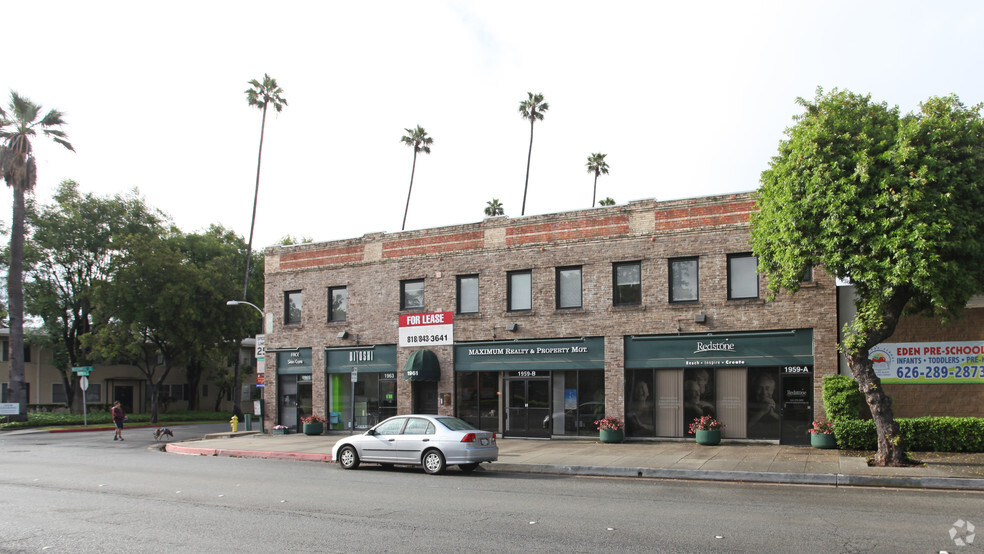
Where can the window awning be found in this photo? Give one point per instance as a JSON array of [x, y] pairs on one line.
[[422, 365]]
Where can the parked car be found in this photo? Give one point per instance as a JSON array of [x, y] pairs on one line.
[[431, 441]]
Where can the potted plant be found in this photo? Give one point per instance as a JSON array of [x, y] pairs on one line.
[[707, 430], [313, 424], [279, 429], [611, 429], [822, 434]]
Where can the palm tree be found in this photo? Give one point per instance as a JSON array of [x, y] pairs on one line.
[[597, 165], [418, 139], [607, 202], [532, 108], [260, 95], [494, 208], [19, 170]]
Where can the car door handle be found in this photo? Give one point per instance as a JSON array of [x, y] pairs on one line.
[[391, 440], [425, 440]]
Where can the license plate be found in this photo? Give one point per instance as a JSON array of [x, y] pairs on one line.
[[485, 442]]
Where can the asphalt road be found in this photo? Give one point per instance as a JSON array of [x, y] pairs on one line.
[[83, 492]]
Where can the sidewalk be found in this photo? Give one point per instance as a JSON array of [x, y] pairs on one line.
[[745, 462]]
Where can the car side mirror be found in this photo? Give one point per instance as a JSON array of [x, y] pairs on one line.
[[370, 432]]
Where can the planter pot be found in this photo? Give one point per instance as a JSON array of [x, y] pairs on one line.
[[709, 438], [279, 431], [314, 428], [821, 440], [609, 435]]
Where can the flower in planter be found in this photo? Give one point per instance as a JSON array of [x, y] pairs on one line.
[[313, 419], [706, 423], [821, 427], [610, 424], [280, 427]]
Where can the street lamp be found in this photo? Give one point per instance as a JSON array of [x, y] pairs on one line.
[[236, 380]]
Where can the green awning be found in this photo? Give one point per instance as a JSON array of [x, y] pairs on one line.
[[422, 365]]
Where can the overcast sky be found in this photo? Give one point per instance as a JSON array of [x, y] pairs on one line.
[[686, 98]]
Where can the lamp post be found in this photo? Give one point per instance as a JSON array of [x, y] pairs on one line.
[[236, 383]]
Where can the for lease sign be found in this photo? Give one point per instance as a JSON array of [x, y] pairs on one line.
[[929, 362], [432, 329]]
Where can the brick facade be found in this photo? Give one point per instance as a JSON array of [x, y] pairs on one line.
[[372, 267]]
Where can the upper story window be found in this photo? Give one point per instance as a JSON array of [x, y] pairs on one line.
[[292, 307], [5, 354], [807, 275], [468, 294], [627, 283], [412, 294], [568, 287], [743, 279], [519, 294], [337, 303], [683, 280]]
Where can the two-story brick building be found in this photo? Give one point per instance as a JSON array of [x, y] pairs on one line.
[[651, 311]]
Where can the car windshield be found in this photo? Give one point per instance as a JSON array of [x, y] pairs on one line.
[[456, 424]]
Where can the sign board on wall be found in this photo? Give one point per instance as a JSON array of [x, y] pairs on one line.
[[929, 362], [432, 329]]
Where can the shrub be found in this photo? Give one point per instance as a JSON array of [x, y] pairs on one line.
[[841, 398], [918, 434]]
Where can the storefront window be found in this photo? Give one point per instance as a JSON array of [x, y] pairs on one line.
[[579, 401], [763, 403], [478, 399], [640, 410], [374, 394], [698, 396]]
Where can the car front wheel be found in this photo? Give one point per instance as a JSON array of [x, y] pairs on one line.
[[348, 457], [433, 462]]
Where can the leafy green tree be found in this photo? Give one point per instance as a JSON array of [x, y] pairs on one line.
[[494, 208], [892, 203], [19, 169], [609, 201], [418, 139], [597, 165], [289, 240], [532, 109], [72, 244], [260, 95]]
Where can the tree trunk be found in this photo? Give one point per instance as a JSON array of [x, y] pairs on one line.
[[15, 291], [412, 171], [594, 191], [529, 155], [891, 452], [256, 195]]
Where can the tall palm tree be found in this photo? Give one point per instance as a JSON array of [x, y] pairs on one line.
[[260, 95], [19, 170], [597, 165], [494, 208], [418, 139], [532, 108]]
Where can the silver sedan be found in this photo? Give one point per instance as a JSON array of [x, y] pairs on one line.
[[431, 441]]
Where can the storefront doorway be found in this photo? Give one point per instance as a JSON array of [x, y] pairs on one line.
[[797, 408], [527, 408]]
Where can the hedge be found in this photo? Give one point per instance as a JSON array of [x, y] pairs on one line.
[[919, 434], [841, 398]]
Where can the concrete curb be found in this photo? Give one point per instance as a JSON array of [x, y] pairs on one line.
[[830, 479], [233, 453]]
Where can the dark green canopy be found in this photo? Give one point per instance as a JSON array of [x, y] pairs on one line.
[[422, 365]]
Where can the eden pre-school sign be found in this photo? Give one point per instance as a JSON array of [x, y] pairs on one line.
[[929, 362], [432, 329]]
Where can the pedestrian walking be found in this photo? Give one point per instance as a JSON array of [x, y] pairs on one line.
[[118, 418]]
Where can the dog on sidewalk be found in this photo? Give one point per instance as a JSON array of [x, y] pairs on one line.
[[161, 432]]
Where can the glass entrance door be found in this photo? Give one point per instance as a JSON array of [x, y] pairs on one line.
[[797, 408], [527, 408]]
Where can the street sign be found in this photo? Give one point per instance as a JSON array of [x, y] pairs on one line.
[[82, 370], [84, 383], [355, 375], [260, 346]]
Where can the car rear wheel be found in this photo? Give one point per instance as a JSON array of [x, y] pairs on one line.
[[433, 462], [467, 468], [348, 458]]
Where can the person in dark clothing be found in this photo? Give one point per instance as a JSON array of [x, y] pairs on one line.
[[118, 418]]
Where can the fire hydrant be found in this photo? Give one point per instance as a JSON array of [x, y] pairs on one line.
[[234, 422]]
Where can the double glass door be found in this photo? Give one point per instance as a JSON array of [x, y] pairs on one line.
[[527, 408]]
